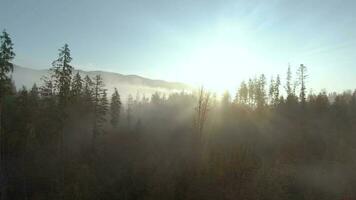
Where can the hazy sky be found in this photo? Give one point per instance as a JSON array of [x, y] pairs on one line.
[[215, 43]]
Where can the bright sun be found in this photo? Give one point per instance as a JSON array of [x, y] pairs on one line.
[[220, 67]]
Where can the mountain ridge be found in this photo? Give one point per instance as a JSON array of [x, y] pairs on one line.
[[126, 84]]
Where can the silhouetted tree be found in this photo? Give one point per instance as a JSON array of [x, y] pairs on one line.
[[252, 92], [302, 75], [274, 91], [100, 104], [201, 113], [288, 86], [6, 56], [115, 107], [261, 92], [271, 90], [243, 93], [156, 98], [88, 93], [129, 108], [77, 86], [62, 74]]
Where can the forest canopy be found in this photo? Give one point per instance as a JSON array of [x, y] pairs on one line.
[[67, 138]]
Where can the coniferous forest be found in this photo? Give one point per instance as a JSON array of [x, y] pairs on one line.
[[67, 138]]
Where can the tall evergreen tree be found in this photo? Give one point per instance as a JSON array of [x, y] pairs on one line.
[[201, 110], [88, 91], [302, 76], [62, 77], [277, 84], [47, 88], [34, 96], [261, 91], [288, 86], [6, 56], [130, 103], [156, 98], [243, 93], [100, 104], [77, 86], [115, 107], [251, 92], [62, 73], [271, 90]]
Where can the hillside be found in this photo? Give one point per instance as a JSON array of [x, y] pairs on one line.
[[126, 84]]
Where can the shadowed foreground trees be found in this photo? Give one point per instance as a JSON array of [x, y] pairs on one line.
[[261, 145], [6, 67]]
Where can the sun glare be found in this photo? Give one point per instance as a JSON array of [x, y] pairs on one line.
[[220, 66]]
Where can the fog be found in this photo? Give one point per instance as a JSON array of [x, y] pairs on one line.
[[74, 135]]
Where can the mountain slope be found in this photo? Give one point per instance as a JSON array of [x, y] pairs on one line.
[[126, 84]]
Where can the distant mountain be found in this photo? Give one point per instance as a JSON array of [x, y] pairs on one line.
[[126, 84]]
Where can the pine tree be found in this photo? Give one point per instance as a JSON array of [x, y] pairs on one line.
[[129, 109], [201, 113], [34, 95], [62, 74], [115, 107], [156, 98], [6, 56], [302, 76], [34, 91], [251, 92], [34, 103], [62, 77], [288, 86], [77, 86], [276, 90], [261, 92], [47, 89], [88, 91], [100, 104], [243, 93], [271, 91]]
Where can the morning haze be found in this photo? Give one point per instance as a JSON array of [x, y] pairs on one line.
[[177, 100]]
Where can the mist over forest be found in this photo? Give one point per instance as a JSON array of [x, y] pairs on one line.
[[72, 136]]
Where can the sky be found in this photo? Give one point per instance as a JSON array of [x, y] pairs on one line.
[[215, 43]]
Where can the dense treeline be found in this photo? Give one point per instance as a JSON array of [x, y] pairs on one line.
[[66, 139]]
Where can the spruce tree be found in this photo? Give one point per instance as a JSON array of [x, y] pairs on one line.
[[6, 56], [271, 91], [251, 92], [115, 107], [88, 91], [260, 91], [47, 88], [243, 93], [77, 86], [130, 103], [34, 96], [62, 74], [62, 77], [302, 76], [288, 86], [277, 84], [100, 105]]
